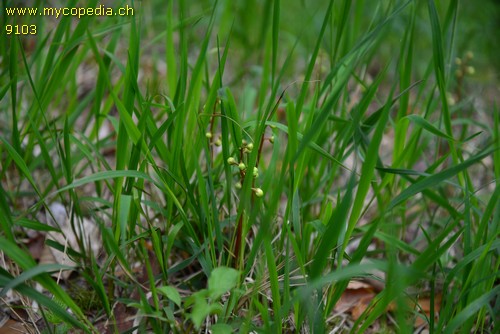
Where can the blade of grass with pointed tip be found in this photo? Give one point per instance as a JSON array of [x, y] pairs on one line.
[[471, 309], [334, 228], [320, 119], [496, 136], [104, 175], [405, 73], [170, 49], [19, 161], [312, 61], [435, 179], [273, 279], [31, 273], [423, 123], [367, 170], [440, 72], [13, 70], [5, 215], [34, 225], [130, 128]]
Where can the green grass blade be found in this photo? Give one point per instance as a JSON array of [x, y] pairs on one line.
[[435, 179], [31, 273], [367, 171], [58, 310], [471, 309]]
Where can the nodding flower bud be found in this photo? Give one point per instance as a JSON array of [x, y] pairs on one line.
[[208, 135], [250, 146], [271, 140], [470, 70], [458, 61], [242, 166], [218, 142], [231, 161], [243, 142], [238, 185], [469, 55], [258, 192], [255, 172]]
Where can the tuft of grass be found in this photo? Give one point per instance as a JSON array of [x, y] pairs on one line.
[[240, 170]]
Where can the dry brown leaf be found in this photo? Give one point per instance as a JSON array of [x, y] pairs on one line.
[[355, 299], [358, 296], [424, 305], [36, 245], [15, 327], [123, 320], [354, 285], [361, 305]]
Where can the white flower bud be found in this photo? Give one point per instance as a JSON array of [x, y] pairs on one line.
[[258, 192]]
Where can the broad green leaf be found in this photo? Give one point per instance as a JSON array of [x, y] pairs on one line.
[[171, 293], [221, 329], [201, 308], [222, 279]]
